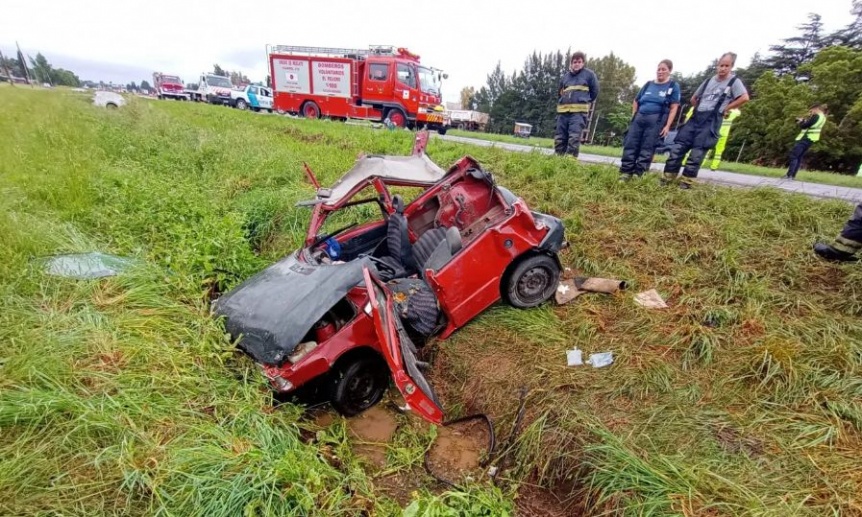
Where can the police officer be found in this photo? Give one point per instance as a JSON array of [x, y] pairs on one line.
[[810, 133], [713, 99], [847, 243], [578, 90]]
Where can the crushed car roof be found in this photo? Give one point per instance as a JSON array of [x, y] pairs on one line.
[[413, 169]]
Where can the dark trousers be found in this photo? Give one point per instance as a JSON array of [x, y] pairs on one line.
[[567, 138], [640, 142], [697, 136], [853, 227], [796, 155]]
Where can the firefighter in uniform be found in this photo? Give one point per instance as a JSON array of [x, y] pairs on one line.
[[847, 243], [578, 90], [713, 99], [810, 133]]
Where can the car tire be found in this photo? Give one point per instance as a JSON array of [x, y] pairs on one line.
[[310, 110], [532, 282], [358, 385], [111, 106], [241, 104], [442, 130]]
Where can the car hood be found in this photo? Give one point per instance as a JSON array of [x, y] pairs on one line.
[[272, 311]]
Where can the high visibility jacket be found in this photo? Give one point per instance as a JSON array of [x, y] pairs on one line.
[[813, 132], [577, 91], [727, 122]]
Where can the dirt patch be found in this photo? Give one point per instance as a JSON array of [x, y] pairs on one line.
[[400, 486], [735, 442], [372, 429], [534, 501], [296, 134], [458, 451]]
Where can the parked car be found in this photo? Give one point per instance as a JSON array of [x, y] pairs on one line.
[[252, 97], [377, 277], [109, 100]]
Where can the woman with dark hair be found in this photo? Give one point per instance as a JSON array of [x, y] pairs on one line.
[[653, 112]]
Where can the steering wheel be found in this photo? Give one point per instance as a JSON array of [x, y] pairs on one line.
[[318, 241]]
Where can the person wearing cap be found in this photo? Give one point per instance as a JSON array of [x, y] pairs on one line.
[[579, 88]]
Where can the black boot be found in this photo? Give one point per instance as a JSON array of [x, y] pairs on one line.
[[827, 252]]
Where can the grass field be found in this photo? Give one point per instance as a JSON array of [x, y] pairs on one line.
[[123, 396], [826, 178]]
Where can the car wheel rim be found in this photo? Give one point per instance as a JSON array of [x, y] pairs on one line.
[[533, 283], [360, 389]]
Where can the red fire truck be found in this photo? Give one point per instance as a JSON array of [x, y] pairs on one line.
[[378, 83]]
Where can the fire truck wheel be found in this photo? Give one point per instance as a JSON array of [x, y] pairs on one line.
[[310, 110], [396, 116], [533, 281], [358, 384]]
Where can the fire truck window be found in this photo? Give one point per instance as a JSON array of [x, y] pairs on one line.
[[378, 71], [406, 75]]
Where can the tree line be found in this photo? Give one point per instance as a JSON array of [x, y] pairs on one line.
[[811, 66]]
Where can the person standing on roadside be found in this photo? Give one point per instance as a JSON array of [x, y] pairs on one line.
[[579, 88], [653, 112], [811, 127], [714, 99]]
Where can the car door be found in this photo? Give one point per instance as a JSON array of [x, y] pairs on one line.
[[253, 100], [377, 84], [400, 353], [265, 98], [406, 87]]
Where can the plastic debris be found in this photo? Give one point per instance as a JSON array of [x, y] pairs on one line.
[[566, 292], [574, 357], [650, 299], [602, 359], [85, 266]]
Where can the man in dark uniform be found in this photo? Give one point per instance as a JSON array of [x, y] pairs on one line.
[[847, 243], [578, 90]]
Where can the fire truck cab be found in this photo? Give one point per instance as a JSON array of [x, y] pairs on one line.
[[378, 83]]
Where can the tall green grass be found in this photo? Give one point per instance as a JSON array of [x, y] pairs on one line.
[[123, 396]]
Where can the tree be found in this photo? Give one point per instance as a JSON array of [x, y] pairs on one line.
[[616, 81], [146, 85], [12, 65], [192, 86], [850, 36], [794, 52], [468, 95], [41, 68], [217, 70]]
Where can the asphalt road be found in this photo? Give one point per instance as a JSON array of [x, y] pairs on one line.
[[817, 190]]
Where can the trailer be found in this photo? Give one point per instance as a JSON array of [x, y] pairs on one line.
[[468, 120], [378, 84]]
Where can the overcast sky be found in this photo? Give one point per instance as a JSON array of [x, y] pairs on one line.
[[126, 41]]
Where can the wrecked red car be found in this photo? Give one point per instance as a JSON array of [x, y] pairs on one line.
[[378, 276]]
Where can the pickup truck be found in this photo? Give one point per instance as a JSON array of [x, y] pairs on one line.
[[252, 97]]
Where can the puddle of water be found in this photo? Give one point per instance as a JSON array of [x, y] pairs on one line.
[[459, 449], [375, 426]]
